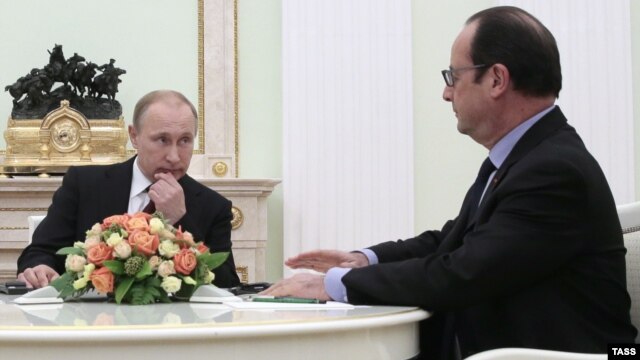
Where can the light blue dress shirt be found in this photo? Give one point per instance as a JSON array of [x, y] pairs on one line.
[[498, 154]]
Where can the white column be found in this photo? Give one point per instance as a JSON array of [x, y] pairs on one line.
[[594, 38], [347, 105]]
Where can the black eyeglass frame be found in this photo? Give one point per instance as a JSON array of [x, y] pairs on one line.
[[447, 74]]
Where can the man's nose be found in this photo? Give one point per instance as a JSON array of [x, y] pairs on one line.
[[447, 94], [172, 154]]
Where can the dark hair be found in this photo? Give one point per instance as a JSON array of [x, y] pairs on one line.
[[511, 36], [157, 96]]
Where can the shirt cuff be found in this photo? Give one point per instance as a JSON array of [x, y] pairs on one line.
[[333, 284], [373, 258]]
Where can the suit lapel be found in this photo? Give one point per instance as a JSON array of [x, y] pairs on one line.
[[117, 186]]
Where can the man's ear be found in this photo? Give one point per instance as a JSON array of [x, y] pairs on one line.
[[133, 136], [500, 77]]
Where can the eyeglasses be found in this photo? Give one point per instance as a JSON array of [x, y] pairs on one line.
[[448, 73]]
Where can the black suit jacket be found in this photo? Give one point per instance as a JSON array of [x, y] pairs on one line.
[[542, 264], [91, 193]]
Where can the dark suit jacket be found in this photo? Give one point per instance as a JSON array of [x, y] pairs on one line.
[[91, 193], [542, 264]]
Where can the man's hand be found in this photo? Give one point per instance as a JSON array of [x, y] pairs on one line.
[[38, 276], [168, 196], [323, 260], [308, 286]]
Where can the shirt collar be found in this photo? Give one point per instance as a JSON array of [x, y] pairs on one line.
[[139, 182], [501, 150]]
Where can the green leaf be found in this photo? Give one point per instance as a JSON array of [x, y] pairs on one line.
[[70, 250], [213, 260], [145, 271], [185, 291], [64, 285], [123, 288], [116, 266]]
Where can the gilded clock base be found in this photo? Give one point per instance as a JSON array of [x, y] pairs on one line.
[[64, 137]]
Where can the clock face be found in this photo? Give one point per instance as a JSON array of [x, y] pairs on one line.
[[65, 135]]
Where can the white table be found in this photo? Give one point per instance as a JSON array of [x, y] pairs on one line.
[[97, 329]]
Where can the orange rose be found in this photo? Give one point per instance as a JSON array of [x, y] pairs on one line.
[[115, 219], [139, 221], [102, 279], [185, 261], [99, 253], [143, 242], [202, 248]]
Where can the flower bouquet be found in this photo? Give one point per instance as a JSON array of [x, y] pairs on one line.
[[139, 259]]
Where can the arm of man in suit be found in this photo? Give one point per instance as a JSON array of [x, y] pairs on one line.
[[535, 224], [38, 264]]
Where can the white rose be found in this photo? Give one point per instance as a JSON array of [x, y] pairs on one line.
[[166, 268], [75, 263], [96, 228], [171, 284], [78, 245], [155, 226], [154, 261], [122, 250], [209, 277], [91, 241], [166, 235], [168, 249], [114, 239]]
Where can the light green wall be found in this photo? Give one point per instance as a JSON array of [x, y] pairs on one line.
[[145, 38], [260, 109], [439, 186]]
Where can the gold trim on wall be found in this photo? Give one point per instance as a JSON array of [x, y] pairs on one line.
[[4, 228], [24, 209], [201, 118]]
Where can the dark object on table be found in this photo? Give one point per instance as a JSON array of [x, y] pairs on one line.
[[250, 288], [14, 288]]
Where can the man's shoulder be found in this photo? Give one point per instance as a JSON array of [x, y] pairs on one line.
[[93, 171], [195, 188]]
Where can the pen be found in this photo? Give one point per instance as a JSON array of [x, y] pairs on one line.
[[288, 299]]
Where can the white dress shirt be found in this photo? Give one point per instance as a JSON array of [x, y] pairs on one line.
[[138, 197]]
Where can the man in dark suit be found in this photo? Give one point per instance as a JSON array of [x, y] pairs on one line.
[[535, 258], [163, 131]]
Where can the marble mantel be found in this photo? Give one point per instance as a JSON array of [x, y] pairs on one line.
[[21, 197]]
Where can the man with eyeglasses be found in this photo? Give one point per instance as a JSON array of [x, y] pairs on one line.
[[535, 257]]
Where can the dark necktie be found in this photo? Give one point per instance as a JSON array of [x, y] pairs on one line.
[[475, 193], [151, 206]]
